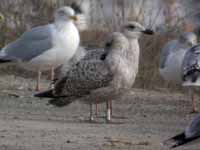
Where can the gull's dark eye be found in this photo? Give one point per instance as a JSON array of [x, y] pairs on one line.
[[108, 44], [76, 8], [131, 27]]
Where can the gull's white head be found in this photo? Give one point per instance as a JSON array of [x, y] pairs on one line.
[[134, 30], [188, 39], [65, 14]]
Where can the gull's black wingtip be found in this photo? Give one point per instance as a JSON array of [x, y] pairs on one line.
[[175, 141], [45, 94], [178, 140], [5, 60]]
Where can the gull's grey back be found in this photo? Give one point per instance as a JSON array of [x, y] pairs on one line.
[[191, 60]]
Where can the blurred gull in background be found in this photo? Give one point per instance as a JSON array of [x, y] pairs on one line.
[[45, 47], [172, 56], [191, 71]]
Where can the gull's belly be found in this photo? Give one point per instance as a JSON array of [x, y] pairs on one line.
[[172, 70], [63, 50]]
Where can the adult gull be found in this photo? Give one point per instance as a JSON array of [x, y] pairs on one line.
[[191, 71], [45, 47], [172, 56]]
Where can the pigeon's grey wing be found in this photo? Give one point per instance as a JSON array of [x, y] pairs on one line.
[[84, 77], [191, 64], [31, 44], [165, 52], [193, 130]]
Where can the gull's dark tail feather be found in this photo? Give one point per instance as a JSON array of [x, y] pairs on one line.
[[5, 60], [45, 94], [178, 140], [60, 102]]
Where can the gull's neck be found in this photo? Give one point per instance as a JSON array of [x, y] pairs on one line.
[[61, 25], [132, 56]]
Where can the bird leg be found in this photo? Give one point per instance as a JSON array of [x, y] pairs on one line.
[[194, 109], [96, 111], [111, 107], [52, 73], [38, 88], [91, 113], [52, 77], [108, 111]]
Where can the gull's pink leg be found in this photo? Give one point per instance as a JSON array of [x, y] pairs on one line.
[[52, 73], [96, 111], [108, 111], [52, 77], [91, 113], [38, 87], [194, 109]]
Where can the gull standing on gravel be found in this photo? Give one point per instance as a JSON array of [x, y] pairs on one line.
[[191, 71], [172, 56], [191, 133], [82, 25], [45, 47], [100, 80]]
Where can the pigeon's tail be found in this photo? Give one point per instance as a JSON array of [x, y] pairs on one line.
[[178, 140], [45, 94]]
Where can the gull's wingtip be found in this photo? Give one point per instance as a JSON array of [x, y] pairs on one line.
[[45, 94]]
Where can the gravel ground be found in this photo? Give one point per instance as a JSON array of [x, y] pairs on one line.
[[141, 120]]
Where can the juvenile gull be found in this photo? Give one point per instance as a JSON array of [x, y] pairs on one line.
[[172, 56], [191, 71], [100, 80], [45, 47], [191, 133]]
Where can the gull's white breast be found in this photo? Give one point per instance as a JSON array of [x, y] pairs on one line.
[[172, 70], [65, 44]]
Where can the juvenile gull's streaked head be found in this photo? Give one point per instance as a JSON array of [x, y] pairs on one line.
[[134, 30]]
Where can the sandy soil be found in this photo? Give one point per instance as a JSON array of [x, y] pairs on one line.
[[141, 120]]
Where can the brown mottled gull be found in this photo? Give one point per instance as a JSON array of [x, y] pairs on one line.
[[99, 80]]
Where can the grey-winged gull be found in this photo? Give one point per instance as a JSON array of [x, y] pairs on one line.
[[191, 133], [172, 56], [100, 80], [45, 47], [191, 71]]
